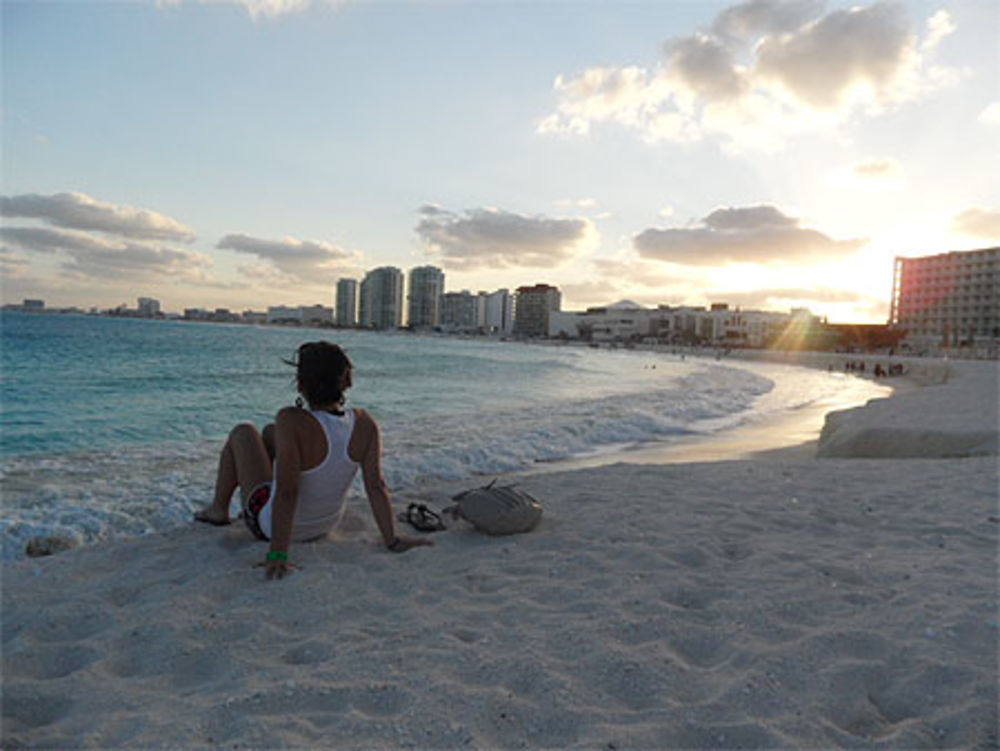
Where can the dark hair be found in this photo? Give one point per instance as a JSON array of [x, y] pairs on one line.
[[320, 368]]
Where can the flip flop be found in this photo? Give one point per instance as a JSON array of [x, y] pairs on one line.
[[422, 518], [200, 517]]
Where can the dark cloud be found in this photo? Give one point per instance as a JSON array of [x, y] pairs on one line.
[[822, 62], [755, 18], [79, 211], [491, 238], [981, 223], [100, 258], [755, 234], [703, 65], [748, 218], [308, 261]]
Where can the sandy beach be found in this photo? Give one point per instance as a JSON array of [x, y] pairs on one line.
[[839, 598]]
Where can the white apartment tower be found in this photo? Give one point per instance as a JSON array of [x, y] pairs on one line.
[[347, 302], [380, 302], [499, 314], [426, 288]]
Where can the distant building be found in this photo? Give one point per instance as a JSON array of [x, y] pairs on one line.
[[498, 316], [284, 314], [532, 307], [33, 305], [426, 288], [622, 321], [225, 315], [459, 311], [948, 300], [380, 304], [347, 302], [720, 326], [196, 314], [316, 314], [148, 307], [254, 316]]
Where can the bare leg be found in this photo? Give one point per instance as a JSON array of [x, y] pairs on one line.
[[268, 436], [244, 462]]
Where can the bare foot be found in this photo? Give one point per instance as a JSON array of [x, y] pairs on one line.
[[210, 516]]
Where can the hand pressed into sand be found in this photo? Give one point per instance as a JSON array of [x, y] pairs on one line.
[[277, 569]]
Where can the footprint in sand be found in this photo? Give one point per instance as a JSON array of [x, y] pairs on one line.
[[70, 624], [381, 701], [32, 711], [689, 557], [309, 653], [700, 647], [44, 663], [466, 635], [122, 597]]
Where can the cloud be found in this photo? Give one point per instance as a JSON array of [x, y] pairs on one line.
[[789, 296], [751, 19], [862, 57], [701, 65], [492, 238], [877, 173], [80, 211], [990, 115], [258, 9], [589, 294], [878, 169], [755, 234], [939, 26], [95, 257], [763, 71], [629, 96], [296, 261], [12, 265], [980, 223]]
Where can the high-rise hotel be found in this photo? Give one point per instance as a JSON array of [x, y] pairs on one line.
[[426, 288], [380, 302], [532, 307], [347, 302], [948, 300]]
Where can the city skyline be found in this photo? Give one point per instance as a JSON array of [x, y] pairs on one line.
[[770, 155]]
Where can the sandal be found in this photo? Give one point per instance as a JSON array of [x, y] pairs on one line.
[[422, 518]]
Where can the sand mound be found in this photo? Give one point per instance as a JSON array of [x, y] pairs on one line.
[[953, 419]]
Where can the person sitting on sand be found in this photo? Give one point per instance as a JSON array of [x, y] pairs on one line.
[[294, 477]]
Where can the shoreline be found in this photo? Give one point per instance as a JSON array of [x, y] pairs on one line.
[[792, 434]]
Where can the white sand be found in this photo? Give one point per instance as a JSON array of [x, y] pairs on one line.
[[808, 603]]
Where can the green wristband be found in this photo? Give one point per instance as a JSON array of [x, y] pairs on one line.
[[277, 555]]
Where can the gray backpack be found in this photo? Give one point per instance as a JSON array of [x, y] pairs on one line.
[[503, 510]]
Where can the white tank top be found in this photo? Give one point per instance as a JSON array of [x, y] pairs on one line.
[[322, 489]]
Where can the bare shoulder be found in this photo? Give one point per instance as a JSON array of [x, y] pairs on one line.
[[362, 418], [290, 416]]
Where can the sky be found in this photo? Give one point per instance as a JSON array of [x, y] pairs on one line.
[[247, 153]]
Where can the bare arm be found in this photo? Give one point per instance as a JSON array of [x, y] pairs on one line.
[[288, 458], [376, 488]]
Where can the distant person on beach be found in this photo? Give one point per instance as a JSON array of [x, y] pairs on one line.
[[294, 477]]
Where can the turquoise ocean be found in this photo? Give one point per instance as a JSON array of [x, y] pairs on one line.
[[111, 427]]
